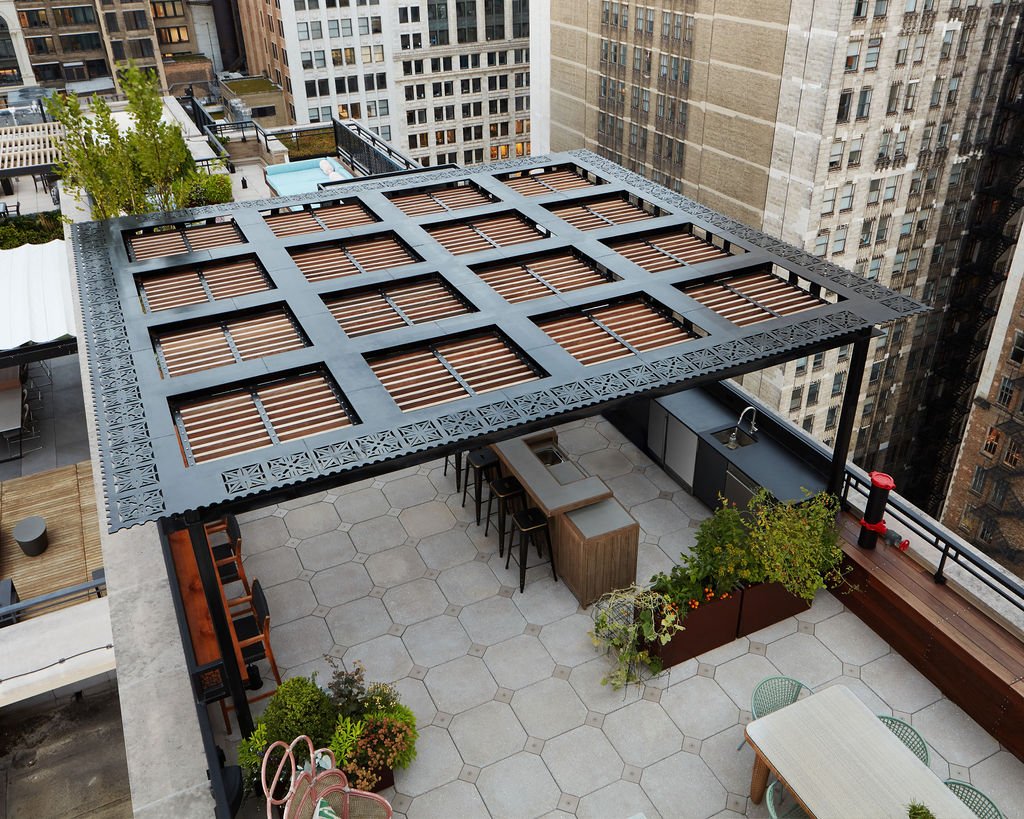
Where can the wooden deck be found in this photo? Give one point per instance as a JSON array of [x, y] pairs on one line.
[[972, 659], [65, 498]]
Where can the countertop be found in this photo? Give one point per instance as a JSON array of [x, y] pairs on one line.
[[551, 496], [600, 518], [767, 462]]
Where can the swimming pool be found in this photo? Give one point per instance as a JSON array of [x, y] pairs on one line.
[[302, 176]]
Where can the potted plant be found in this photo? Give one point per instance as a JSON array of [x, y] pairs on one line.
[[797, 547]]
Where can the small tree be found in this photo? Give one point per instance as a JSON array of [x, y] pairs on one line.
[[146, 168]]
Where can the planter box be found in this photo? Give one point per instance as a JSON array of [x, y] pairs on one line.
[[765, 605], [387, 780], [709, 626]]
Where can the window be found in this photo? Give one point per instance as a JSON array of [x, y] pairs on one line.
[[947, 45], [846, 198], [828, 201], [465, 21], [999, 490], [77, 16], [796, 400], [992, 440], [812, 393], [34, 18], [920, 41], [866, 230], [883, 228], [835, 157], [494, 19], [520, 18], [845, 101], [910, 100], [893, 105], [830, 418], [891, 186], [172, 34], [808, 423], [952, 89], [871, 57], [437, 22], [135, 21], [839, 239], [937, 88], [1005, 394], [902, 46], [881, 7], [837, 383], [873, 267], [90, 42], [860, 8], [874, 191], [853, 55], [821, 243], [978, 480], [855, 150], [864, 103], [1012, 456], [1017, 351], [987, 530], [818, 362], [801, 366]]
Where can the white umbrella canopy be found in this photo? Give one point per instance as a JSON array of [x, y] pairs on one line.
[[35, 295]]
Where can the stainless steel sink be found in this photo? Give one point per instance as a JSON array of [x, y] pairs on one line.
[[734, 438], [548, 455]]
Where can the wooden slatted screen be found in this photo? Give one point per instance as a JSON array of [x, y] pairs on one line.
[[753, 298], [454, 369], [440, 200], [614, 331], [329, 216], [485, 233], [232, 423], [351, 257], [183, 239], [375, 311], [542, 182], [665, 252], [210, 345], [599, 213], [194, 285], [539, 277]]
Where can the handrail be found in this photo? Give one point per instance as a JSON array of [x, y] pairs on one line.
[[51, 599], [946, 543]]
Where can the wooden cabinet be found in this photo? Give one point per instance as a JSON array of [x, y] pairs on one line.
[[597, 550]]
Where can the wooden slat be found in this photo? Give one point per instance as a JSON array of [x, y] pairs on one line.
[[229, 279], [598, 213], [667, 251], [221, 234], [329, 216], [345, 258], [302, 406], [484, 234], [545, 182], [237, 277], [167, 290], [642, 326], [417, 379], [583, 339], [264, 335], [752, 298], [222, 426], [562, 273], [441, 200]]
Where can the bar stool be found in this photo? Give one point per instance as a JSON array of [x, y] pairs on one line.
[[457, 457], [531, 524], [484, 463], [508, 492]]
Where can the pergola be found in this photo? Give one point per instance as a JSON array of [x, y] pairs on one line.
[[246, 353], [29, 149]]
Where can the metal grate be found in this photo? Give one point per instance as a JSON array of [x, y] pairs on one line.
[[485, 233], [227, 342], [546, 180], [315, 218], [397, 305], [440, 200], [753, 298], [439, 373], [615, 331], [152, 243], [195, 285], [664, 252], [592, 214], [258, 416], [541, 276], [352, 256]]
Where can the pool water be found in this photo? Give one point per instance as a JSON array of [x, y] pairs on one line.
[[301, 177]]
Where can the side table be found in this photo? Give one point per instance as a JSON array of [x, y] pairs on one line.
[[30, 535]]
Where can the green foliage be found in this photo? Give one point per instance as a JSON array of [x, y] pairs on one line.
[[309, 144], [384, 743], [143, 169], [916, 810], [250, 752], [343, 743], [200, 189], [32, 229], [347, 688], [797, 543], [380, 698]]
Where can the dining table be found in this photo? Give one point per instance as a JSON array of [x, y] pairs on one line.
[[837, 759]]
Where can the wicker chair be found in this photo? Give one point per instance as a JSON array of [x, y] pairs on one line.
[[772, 694], [780, 811], [978, 802], [309, 787], [908, 735]]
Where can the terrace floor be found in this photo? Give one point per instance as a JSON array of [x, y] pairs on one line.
[[513, 719]]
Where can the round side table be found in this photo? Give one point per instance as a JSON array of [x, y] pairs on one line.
[[30, 535]]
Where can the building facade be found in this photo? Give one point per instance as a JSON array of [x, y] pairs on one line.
[[854, 129], [446, 81]]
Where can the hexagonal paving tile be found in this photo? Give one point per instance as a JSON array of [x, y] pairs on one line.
[[468, 583], [413, 694], [309, 521], [679, 542], [492, 620], [545, 601], [850, 639], [385, 658], [825, 605], [954, 734], [339, 584], [300, 641], [326, 550], [273, 566], [487, 733], [415, 601], [586, 682], [1001, 776], [642, 733], [618, 799], [805, 658], [699, 707], [460, 684], [519, 662], [358, 621], [548, 708], [437, 762], [683, 779], [582, 760], [409, 491], [902, 686], [454, 799], [436, 641], [446, 549], [519, 786], [739, 677], [427, 519], [361, 505], [581, 440], [377, 535], [290, 601], [731, 767], [568, 640], [863, 692], [261, 535], [395, 566], [305, 500], [319, 666], [606, 463], [659, 516], [632, 488], [650, 560]]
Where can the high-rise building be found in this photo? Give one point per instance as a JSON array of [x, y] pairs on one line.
[[447, 80], [854, 129]]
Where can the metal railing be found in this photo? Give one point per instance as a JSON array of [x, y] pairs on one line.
[[45, 602], [363, 150]]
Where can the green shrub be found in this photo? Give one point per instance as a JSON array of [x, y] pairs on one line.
[[32, 229], [201, 189], [346, 736], [915, 810]]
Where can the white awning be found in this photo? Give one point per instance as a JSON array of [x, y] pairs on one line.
[[35, 295]]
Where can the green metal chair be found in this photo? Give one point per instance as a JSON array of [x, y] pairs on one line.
[[772, 694], [908, 735], [978, 802], [775, 793]]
